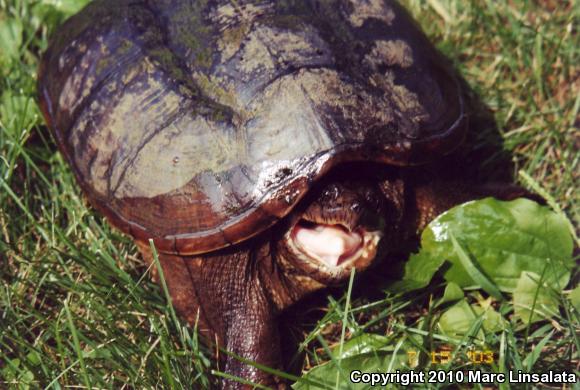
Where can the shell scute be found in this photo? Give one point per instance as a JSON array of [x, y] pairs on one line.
[[200, 124]]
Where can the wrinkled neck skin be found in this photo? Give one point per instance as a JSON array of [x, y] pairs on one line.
[[235, 296]]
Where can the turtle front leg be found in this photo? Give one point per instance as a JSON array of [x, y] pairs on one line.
[[225, 295], [251, 332]]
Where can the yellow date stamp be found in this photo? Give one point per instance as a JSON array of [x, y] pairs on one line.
[[445, 356]]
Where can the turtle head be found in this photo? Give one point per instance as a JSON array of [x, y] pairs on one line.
[[346, 222]]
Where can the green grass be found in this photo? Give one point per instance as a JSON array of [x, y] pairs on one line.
[[77, 307]]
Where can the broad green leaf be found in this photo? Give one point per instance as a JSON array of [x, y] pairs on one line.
[[492, 320], [501, 239], [419, 271], [366, 342], [459, 319], [372, 362], [452, 293], [531, 295], [474, 270]]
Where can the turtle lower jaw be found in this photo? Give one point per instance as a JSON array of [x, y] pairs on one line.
[[332, 249]]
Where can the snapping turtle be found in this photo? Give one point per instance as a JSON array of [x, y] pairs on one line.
[[261, 145]]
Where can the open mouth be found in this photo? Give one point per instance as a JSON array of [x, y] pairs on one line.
[[333, 245]]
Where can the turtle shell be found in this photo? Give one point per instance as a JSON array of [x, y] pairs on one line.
[[202, 123]]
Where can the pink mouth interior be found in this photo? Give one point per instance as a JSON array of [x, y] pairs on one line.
[[328, 243]]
